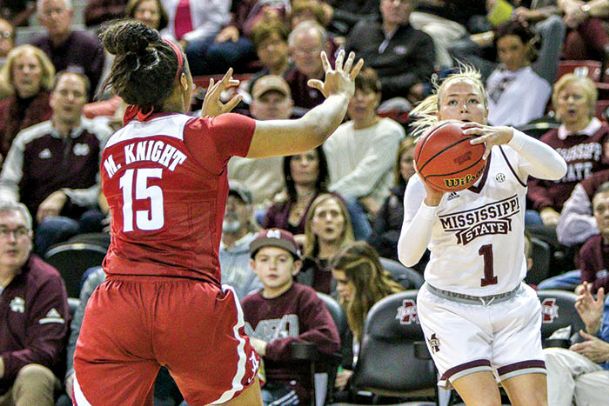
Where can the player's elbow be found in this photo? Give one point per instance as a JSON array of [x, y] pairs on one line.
[[407, 257]]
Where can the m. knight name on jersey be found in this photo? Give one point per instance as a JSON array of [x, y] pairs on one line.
[[492, 218], [152, 150]]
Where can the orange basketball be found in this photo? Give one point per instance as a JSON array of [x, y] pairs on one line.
[[446, 160]]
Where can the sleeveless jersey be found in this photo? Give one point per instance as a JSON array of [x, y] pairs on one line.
[[166, 184], [477, 241]]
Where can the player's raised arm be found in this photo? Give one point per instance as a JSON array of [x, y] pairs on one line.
[[288, 137]]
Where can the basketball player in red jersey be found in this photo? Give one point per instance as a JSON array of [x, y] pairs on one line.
[[164, 176]]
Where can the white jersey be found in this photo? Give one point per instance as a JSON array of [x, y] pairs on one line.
[[477, 239]]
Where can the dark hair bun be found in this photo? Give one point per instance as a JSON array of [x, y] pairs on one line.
[[128, 36]]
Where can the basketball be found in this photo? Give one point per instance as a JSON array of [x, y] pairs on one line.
[[446, 160]]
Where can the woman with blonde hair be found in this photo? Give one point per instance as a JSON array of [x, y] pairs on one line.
[[327, 229], [474, 304], [581, 139], [26, 78], [361, 282]]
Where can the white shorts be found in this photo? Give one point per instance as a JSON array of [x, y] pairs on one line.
[[463, 338]]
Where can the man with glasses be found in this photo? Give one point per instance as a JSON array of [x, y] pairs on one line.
[[33, 315], [53, 167]]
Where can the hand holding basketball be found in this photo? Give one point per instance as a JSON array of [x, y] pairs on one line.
[[488, 135], [341, 78]]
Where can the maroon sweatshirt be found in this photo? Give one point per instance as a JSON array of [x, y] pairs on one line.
[[298, 315], [593, 261], [584, 154], [33, 321]]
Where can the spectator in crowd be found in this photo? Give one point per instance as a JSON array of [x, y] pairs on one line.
[[516, 93], [166, 392], [150, 12], [328, 228], [582, 140], [589, 221], [17, 12], [346, 13], [238, 231], [34, 315], [478, 49], [7, 39], [305, 42], [306, 177], [232, 46], [577, 223], [388, 221], [308, 10], [99, 11], [579, 375], [76, 50], [282, 313], [357, 152], [28, 75], [587, 37], [445, 21], [193, 21], [402, 56], [53, 167], [361, 282], [271, 43], [271, 100], [592, 255]]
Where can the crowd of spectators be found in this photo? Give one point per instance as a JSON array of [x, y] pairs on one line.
[[54, 123]]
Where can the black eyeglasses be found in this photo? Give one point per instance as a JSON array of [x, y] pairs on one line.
[[6, 34]]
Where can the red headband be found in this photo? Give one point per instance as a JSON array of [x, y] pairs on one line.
[[179, 55]]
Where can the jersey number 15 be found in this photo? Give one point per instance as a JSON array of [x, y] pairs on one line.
[[145, 220]]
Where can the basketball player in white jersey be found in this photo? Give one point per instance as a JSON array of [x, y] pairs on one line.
[[481, 322]]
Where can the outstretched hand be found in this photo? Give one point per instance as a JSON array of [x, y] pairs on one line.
[[341, 78], [589, 308], [212, 105], [488, 135]]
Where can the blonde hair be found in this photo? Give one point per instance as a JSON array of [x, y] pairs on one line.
[[586, 84], [311, 243], [48, 70], [427, 111]]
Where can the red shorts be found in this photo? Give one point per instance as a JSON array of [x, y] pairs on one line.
[[133, 325]]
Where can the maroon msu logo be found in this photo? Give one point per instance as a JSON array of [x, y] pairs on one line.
[[549, 310], [407, 312]]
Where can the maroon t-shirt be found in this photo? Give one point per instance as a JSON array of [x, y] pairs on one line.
[[584, 155], [593, 260]]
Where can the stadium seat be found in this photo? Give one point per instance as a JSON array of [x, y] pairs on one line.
[[592, 69], [387, 365], [558, 311], [323, 364], [72, 260], [407, 277]]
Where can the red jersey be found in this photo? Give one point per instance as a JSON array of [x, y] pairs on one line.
[[165, 180]]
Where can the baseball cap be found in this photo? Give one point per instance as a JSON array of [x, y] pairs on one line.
[[275, 237], [239, 190], [268, 83]]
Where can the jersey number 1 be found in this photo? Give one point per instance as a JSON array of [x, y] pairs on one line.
[[487, 254], [146, 220]]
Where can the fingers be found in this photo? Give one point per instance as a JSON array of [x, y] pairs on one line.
[[227, 76], [232, 103], [358, 67], [349, 62], [600, 295], [325, 62], [316, 84], [338, 65]]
